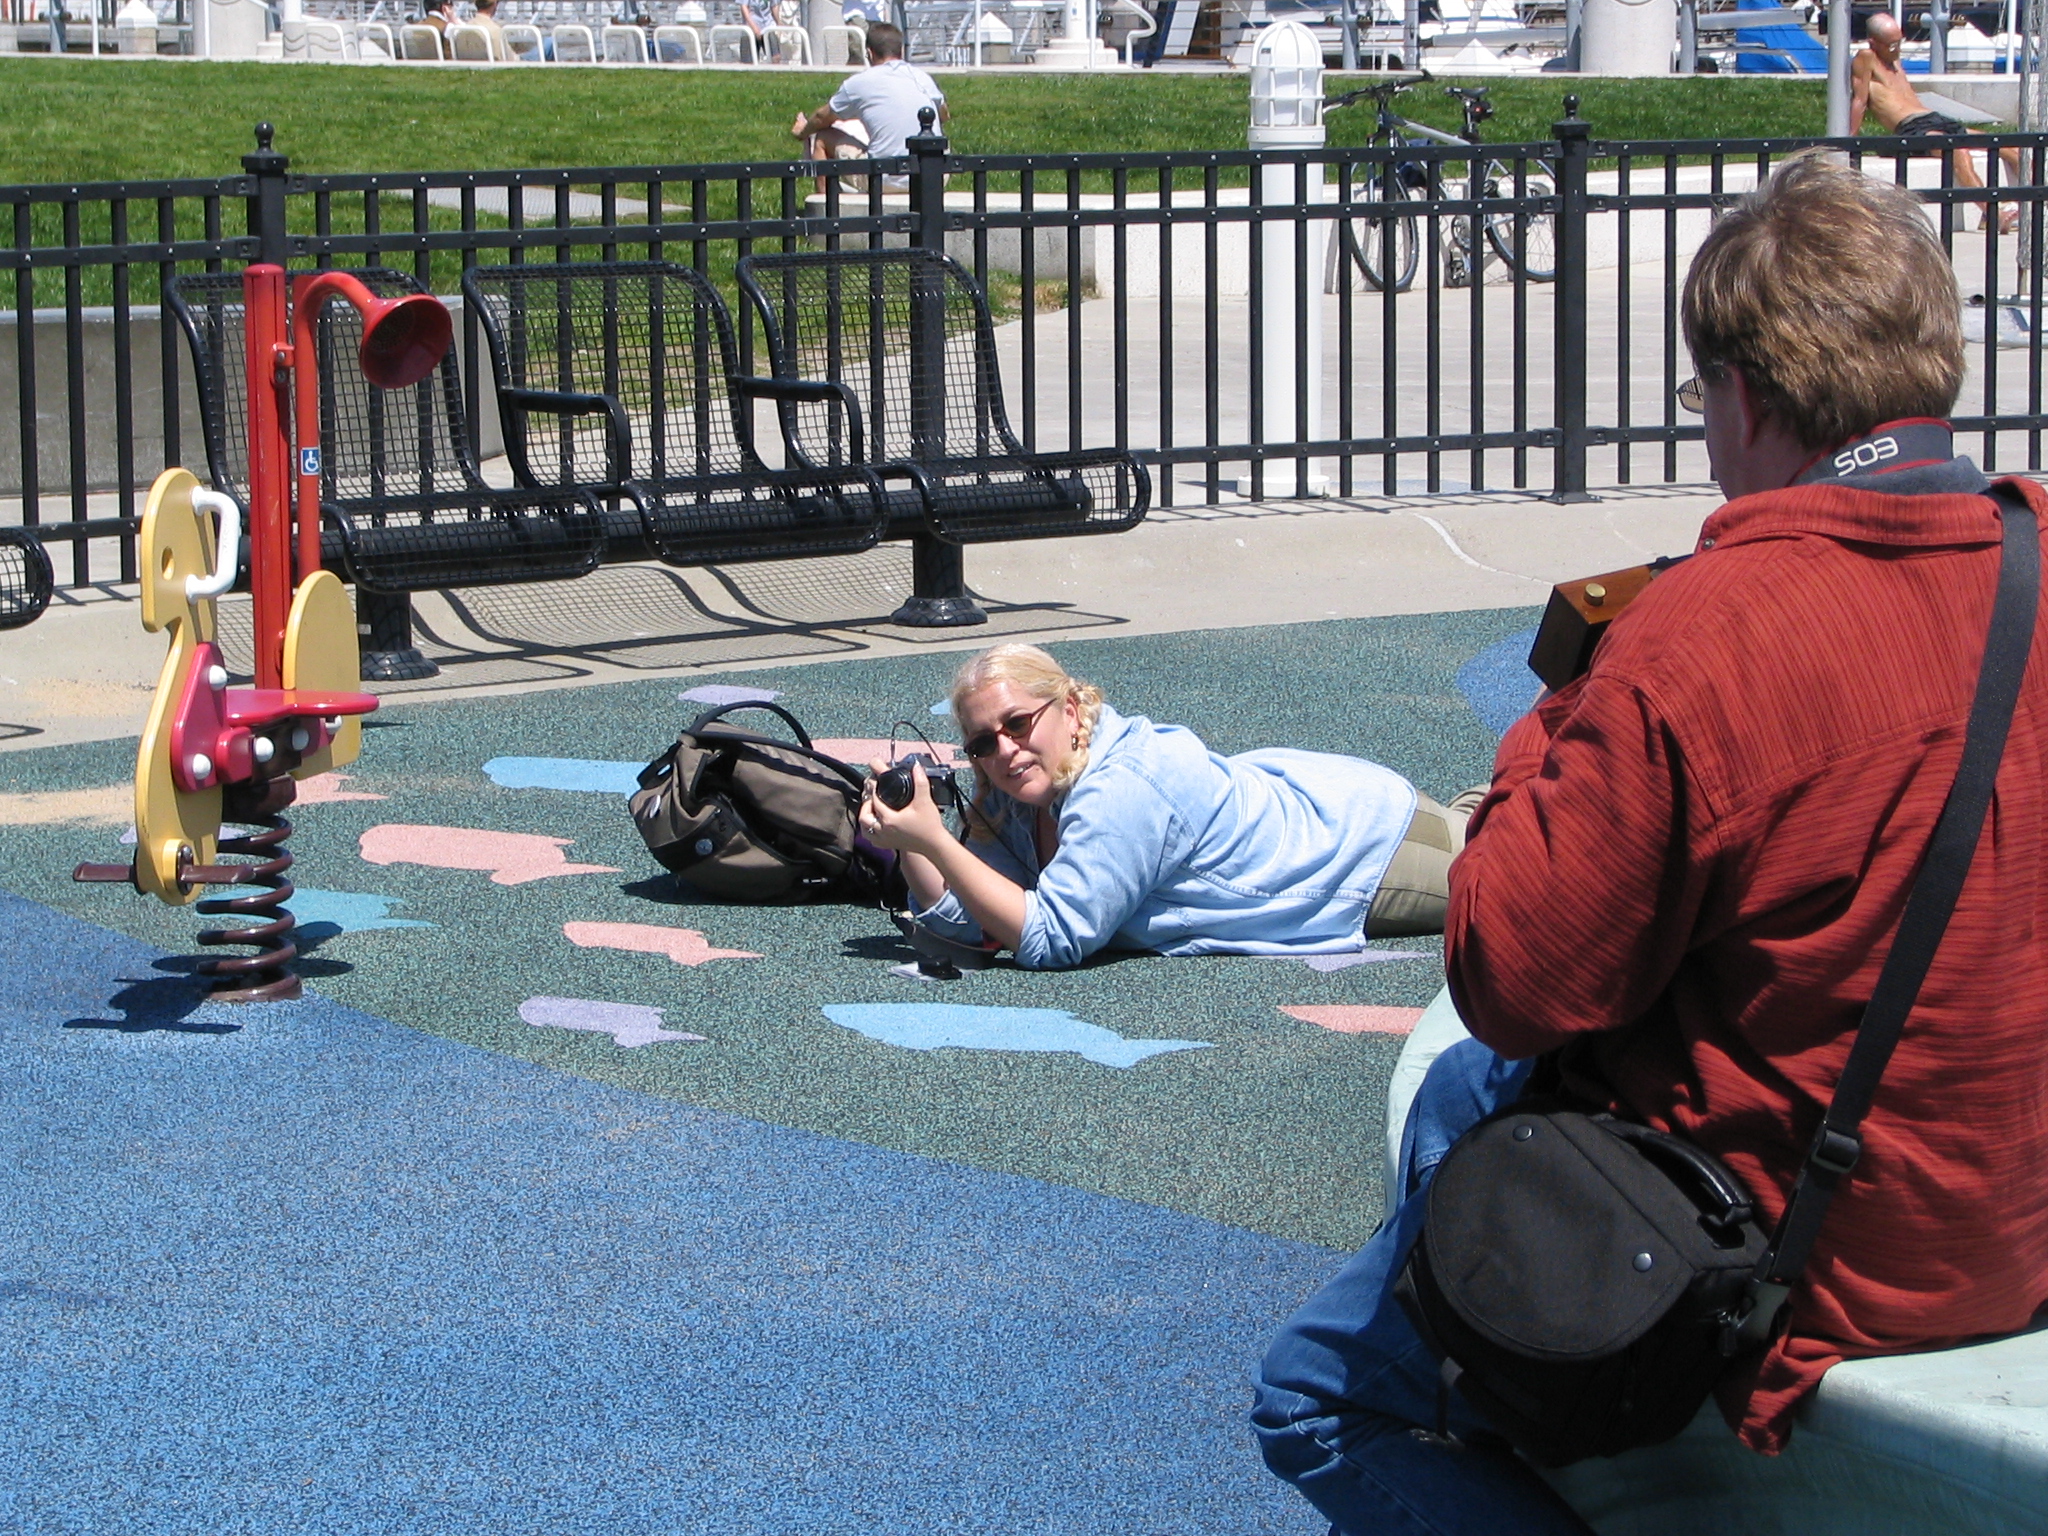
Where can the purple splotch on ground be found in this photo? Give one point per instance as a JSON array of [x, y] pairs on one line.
[[716, 694], [629, 1024]]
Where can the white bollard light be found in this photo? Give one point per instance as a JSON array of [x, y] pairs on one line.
[[1287, 113], [135, 28], [1628, 37]]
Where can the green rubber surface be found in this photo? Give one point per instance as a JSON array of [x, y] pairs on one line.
[[1275, 1128]]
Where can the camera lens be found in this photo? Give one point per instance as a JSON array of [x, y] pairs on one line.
[[895, 788]]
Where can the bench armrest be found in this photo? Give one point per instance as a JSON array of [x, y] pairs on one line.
[[555, 402], [807, 392]]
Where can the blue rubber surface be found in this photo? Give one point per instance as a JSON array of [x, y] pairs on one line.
[[294, 1268]]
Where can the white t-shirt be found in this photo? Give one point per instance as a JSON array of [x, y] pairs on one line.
[[885, 98]]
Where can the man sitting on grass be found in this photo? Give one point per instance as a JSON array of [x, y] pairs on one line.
[[881, 102]]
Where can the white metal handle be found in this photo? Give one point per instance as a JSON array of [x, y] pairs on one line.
[[227, 548]]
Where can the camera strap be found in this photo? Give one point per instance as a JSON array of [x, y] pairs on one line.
[[1836, 1143], [905, 725], [1911, 444]]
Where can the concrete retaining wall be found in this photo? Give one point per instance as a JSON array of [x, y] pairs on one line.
[[146, 331]]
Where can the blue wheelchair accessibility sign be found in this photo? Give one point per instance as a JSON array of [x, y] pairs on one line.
[[309, 461]]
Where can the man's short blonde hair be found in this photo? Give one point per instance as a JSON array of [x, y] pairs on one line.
[[1829, 291]]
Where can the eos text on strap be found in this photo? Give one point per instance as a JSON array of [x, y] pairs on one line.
[[1895, 445]]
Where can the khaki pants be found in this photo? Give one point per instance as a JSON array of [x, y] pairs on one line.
[[1415, 893]]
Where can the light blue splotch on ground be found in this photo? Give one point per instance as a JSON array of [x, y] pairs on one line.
[[578, 773], [937, 1026], [323, 914], [716, 694], [1498, 684], [943, 707]]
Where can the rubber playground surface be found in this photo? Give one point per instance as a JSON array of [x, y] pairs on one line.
[[566, 1202]]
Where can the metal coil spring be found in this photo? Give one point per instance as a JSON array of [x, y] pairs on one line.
[[264, 976]]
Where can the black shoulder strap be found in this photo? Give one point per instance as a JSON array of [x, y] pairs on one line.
[[1837, 1144], [711, 715]]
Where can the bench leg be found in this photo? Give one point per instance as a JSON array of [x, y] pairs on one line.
[[938, 586], [384, 630]]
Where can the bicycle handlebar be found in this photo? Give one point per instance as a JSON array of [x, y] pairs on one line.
[[1383, 93]]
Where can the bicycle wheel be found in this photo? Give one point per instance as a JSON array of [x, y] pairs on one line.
[[1539, 230], [1382, 248]]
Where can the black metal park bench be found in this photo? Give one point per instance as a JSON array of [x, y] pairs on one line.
[[25, 578], [404, 507], [621, 379], [906, 336]]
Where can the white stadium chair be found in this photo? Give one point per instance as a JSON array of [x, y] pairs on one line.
[[420, 41], [625, 45], [470, 45], [522, 44], [741, 38], [573, 44], [678, 45], [375, 35], [787, 45], [842, 47]]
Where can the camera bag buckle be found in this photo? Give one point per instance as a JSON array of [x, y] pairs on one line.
[[1834, 1151]]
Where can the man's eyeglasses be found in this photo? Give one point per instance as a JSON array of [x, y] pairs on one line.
[[1692, 394], [1016, 727]]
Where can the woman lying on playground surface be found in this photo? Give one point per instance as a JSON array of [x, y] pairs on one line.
[[1090, 829]]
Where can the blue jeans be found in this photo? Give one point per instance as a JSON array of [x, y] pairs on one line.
[[1349, 1398]]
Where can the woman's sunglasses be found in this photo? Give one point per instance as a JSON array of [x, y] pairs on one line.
[[1016, 727]]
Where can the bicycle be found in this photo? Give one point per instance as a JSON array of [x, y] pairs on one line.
[[1386, 247]]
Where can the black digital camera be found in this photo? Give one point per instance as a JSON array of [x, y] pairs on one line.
[[895, 787]]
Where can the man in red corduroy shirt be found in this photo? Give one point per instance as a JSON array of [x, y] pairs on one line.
[[1692, 861]]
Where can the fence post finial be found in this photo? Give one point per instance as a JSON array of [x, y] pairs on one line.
[[266, 206]]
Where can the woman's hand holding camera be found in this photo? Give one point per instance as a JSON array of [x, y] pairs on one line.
[[917, 828]]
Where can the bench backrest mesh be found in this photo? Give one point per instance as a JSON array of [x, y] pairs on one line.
[[377, 445], [654, 336], [906, 330]]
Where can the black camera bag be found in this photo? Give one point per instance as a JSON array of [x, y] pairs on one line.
[[1584, 1281], [1577, 1273], [748, 818]]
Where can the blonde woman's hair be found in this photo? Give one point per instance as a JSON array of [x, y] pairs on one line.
[[1829, 291], [1037, 674]]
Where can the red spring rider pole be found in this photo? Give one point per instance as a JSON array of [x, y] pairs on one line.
[[270, 561], [403, 340]]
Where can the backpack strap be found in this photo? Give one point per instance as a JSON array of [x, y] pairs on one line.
[[1837, 1143], [711, 715]]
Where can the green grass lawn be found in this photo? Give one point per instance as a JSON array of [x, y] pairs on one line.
[[83, 120]]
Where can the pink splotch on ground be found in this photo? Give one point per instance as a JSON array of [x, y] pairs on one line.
[[685, 946], [860, 750], [1348, 1019], [513, 858], [325, 788]]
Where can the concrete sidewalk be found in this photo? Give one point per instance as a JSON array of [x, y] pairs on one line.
[[85, 671]]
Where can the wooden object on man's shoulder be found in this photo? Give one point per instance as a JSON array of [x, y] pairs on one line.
[[1579, 614]]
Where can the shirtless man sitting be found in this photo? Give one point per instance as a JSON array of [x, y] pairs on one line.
[[1878, 84]]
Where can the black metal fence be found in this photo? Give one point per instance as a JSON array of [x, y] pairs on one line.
[[1269, 324]]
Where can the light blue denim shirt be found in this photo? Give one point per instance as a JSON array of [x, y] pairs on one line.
[[1166, 846]]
